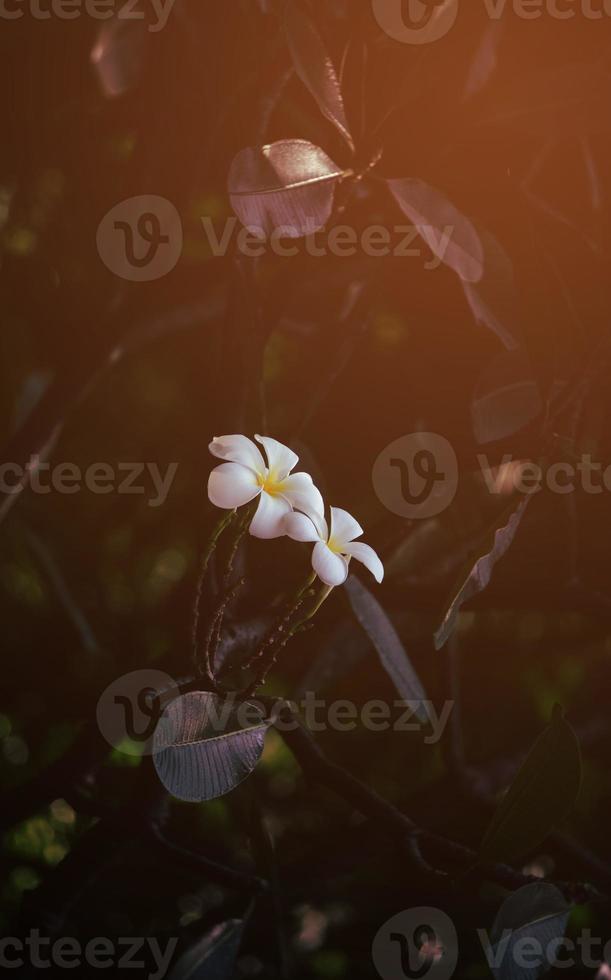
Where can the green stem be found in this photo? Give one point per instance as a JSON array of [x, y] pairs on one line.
[[224, 522]]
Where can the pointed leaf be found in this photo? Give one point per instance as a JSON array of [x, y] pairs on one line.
[[289, 185], [538, 912], [540, 797], [212, 957], [485, 61], [118, 55], [507, 397], [385, 639], [478, 573], [204, 747], [315, 68], [493, 299], [448, 233]]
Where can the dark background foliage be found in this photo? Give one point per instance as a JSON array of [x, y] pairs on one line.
[[95, 586]]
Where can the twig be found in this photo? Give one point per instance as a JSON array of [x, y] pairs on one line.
[[316, 765], [214, 631], [58, 581], [199, 594]]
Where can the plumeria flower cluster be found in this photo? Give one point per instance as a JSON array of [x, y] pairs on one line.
[[289, 504]]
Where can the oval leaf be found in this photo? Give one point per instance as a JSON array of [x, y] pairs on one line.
[[385, 639], [204, 747], [287, 186], [214, 956], [507, 397], [118, 55], [449, 235], [477, 577], [493, 300], [485, 61], [541, 796], [538, 912], [315, 68]]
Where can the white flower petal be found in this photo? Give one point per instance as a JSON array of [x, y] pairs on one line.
[[331, 569], [366, 555], [300, 528], [232, 485], [238, 449], [302, 495], [268, 522], [281, 460], [344, 527]]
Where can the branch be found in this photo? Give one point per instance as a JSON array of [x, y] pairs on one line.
[[317, 766]]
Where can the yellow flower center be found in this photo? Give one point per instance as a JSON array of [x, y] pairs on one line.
[[270, 483]]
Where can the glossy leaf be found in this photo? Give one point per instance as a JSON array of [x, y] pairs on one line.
[[213, 957], [540, 797], [478, 574], [288, 186], [493, 300], [507, 397], [448, 233], [385, 639], [118, 55], [537, 912], [485, 60], [315, 68], [204, 747]]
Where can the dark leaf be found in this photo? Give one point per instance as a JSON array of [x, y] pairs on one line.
[[448, 233], [32, 390], [486, 59], [204, 747], [353, 81], [385, 639], [540, 797], [538, 912], [118, 55], [214, 956], [507, 397], [339, 653], [493, 299], [288, 186], [553, 100], [477, 576], [315, 68]]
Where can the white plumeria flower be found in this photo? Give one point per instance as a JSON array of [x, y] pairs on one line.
[[333, 551], [245, 476]]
